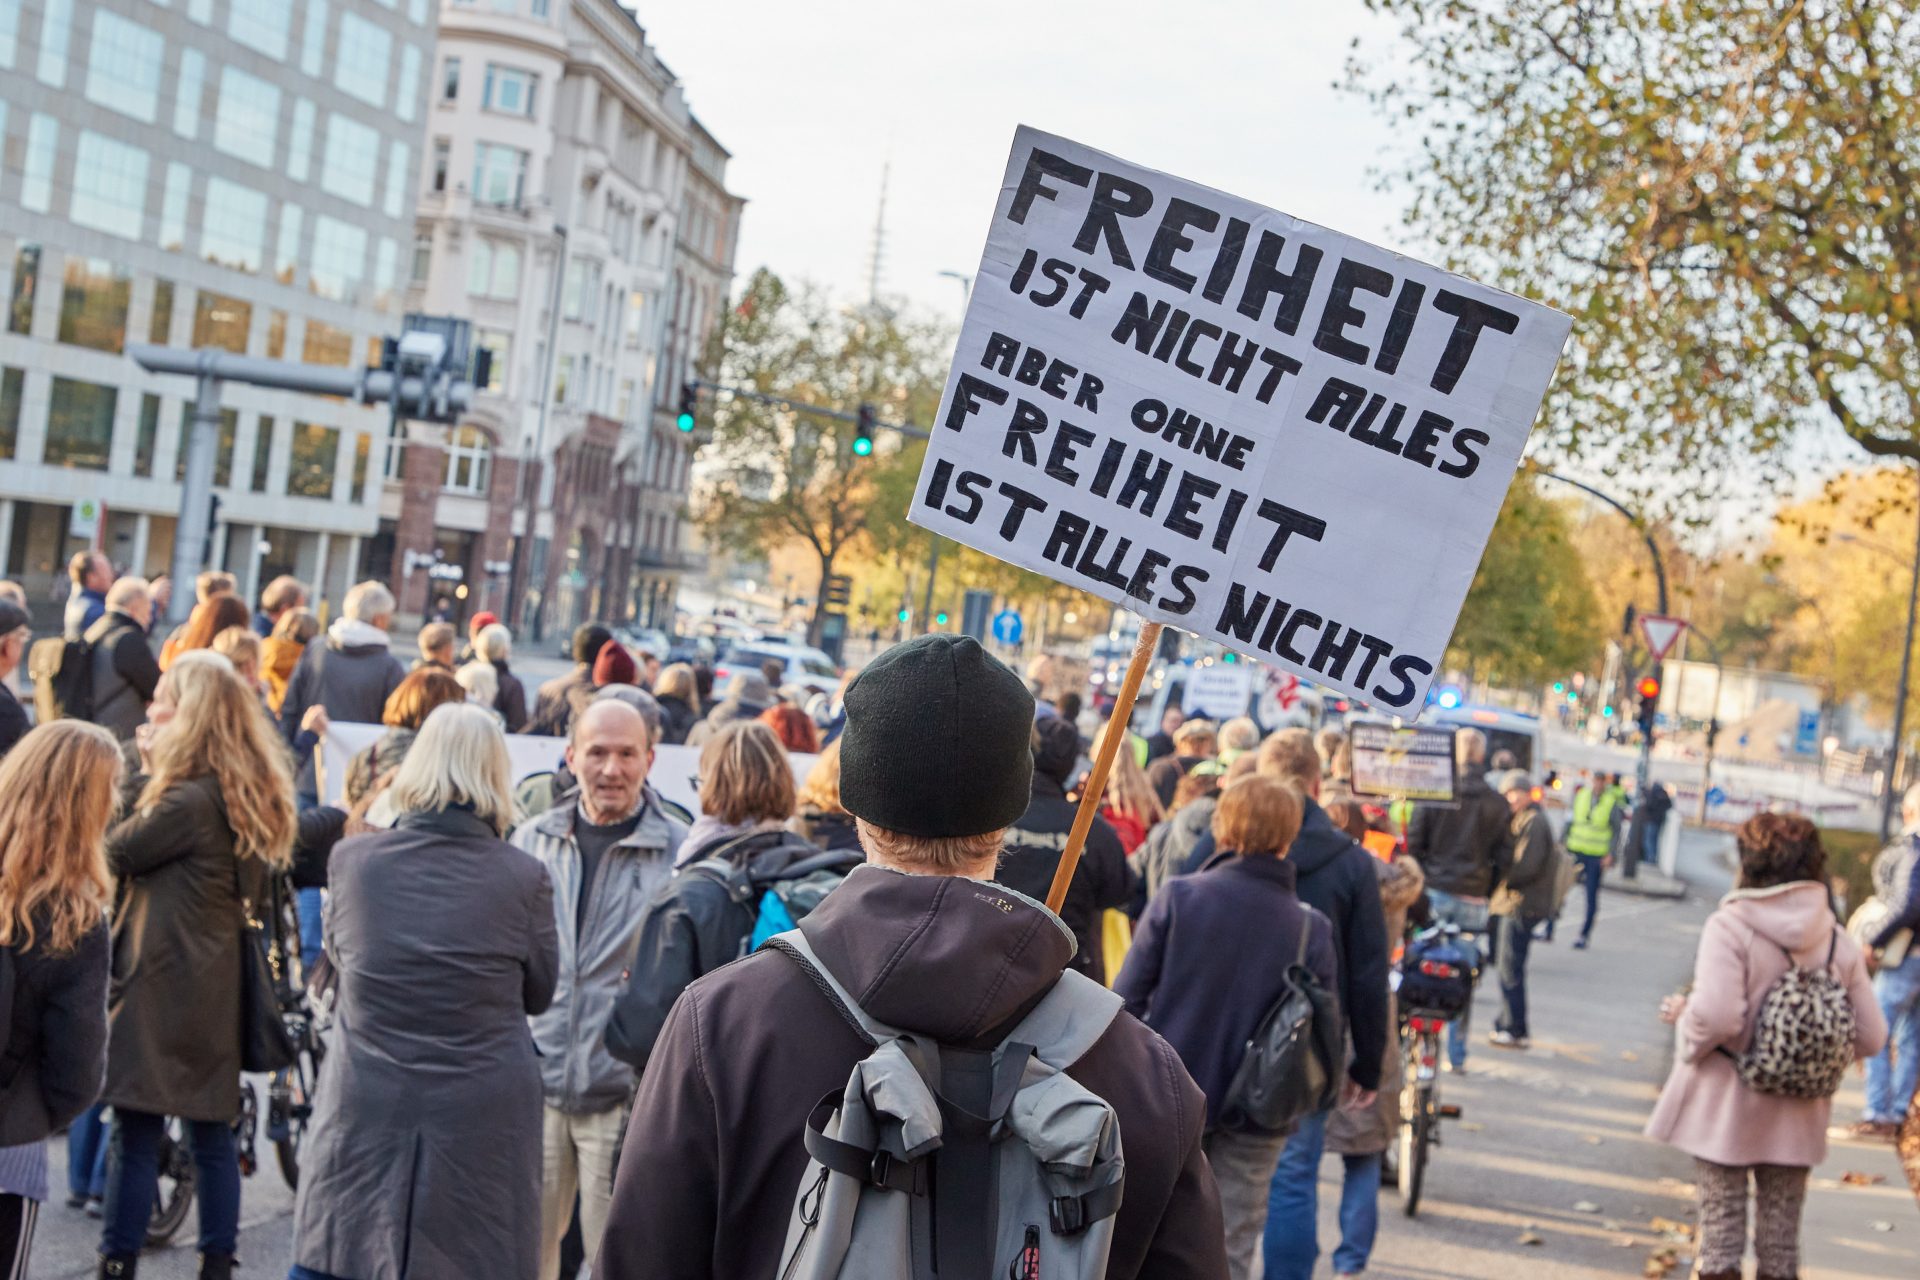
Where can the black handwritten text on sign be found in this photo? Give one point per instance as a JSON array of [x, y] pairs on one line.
[[1232, 421]]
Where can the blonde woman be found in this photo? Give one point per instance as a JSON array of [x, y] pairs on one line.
[[241, 647], [679, 696], [444, 940], [213, 822], [57, 789], [821, 819], [1131, 806]]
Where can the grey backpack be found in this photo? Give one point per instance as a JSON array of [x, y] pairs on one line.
[[958, 1163]]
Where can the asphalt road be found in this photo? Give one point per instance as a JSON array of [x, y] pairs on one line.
[[1548, 1148]]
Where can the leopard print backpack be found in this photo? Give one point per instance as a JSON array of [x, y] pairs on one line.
[[1802, 1034]]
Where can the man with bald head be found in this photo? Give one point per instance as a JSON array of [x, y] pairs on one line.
[[606, 846]]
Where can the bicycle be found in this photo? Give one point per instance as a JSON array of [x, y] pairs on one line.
[[1436, 985]]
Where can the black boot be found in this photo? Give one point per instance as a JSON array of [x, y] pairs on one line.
[[217, 1266], [119, 1266]]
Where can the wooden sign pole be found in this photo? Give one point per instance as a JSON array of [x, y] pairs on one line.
[[1110, 744]]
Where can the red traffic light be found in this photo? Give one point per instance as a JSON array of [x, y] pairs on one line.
[[1649, 687]]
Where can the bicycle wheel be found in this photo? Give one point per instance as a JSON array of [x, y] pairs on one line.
[[174, 1198], [1416, 1138], [290, 1108]]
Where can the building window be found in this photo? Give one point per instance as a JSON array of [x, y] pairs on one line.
[[109, 185], [9, 31], [326, 344], [220, 321], [123, 66], [339, 259], [563, 375], [93, 306], [246, 122], [300, 141], [501, 345], [360, 65], [573, 292], [224, 435], [442, 155], [636, 316], [262, 24], [234, 226], [422, 265], [509, 90], [80, 424], [56, 27], [624, 405], [450, 80], [399, 157], [469, 454], [362, 450], [36, 175], [386, 275], [499, 174], [26, 283], [493, 269], [396, 461], [147, 437], [173, 207], [262, 452], [160, 318], [406, 95], [416, 11], [286, 254], [539, 8], [276, 335], [186, 100], [313, 44], [351, 160], [311, 462], [12, 382]]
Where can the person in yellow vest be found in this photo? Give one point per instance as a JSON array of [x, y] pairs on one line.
[[1598, 807]]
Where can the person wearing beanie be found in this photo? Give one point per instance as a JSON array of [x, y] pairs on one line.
[[563, 697], [1035, 844], [475, 625], [936, 765], [614, 665]]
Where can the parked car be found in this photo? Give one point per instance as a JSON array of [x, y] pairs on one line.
[[805, 665]]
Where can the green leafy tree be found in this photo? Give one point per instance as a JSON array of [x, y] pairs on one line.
[[1530, 614], [1721, 192], [777, 474]]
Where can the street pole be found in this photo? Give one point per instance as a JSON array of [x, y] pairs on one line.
[[524, 500], [1900, 694], [196, 492], [933, 567]]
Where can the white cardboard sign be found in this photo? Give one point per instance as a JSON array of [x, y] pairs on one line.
[[1229, 420]]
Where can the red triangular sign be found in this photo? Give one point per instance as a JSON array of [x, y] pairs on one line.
[[1660, 633]]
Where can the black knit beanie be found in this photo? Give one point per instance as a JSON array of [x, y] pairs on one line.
[[938, 741]]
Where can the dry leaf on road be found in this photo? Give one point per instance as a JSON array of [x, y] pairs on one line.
[[1679, 1231], [1585, 1206], [1529, 1238], [1660, 1263], [1882, 1224], [1853, 1179], [1594, 1140]]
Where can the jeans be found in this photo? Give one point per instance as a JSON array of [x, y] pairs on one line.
[[134, 1178], [1512, 936], [309, 901], [1893, 1072], [1470, 918], [87, 1154], [1650, 840], [1590, 874], [1292, 1243]]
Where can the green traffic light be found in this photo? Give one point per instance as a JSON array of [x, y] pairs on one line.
[[862, 446], [1559, 686], [684, 422], [940, 619], [1607, 711], [1230, 656], [905, 614]]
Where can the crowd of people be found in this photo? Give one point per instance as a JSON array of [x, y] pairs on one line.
[[570, 1021]]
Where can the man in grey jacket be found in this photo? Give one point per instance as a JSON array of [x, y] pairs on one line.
[[350, 671], [606, 848]]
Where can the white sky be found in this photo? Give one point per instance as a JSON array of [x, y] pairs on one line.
[[813, 99]]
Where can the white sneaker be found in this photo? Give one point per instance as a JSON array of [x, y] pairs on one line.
[[1507, 1040]]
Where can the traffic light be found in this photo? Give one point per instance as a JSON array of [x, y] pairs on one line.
[[1559, 686], [940, 618], [837, 591], [1649, 687], [1649, 691], [863, 433], [906, 614], [689, 406]]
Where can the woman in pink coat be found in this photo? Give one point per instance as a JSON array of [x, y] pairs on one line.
[[1779, 916]]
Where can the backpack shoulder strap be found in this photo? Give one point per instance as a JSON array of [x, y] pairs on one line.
[[793, 945], [1306, 933], [1068, 1021]]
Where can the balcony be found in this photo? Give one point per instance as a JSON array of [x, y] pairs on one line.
[[670, 560]]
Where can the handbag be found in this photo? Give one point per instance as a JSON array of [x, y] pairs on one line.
[[264, 1043]]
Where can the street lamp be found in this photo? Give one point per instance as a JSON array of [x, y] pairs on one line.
[[1906, 667]]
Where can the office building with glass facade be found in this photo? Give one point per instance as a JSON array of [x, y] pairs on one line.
[[239, 174]]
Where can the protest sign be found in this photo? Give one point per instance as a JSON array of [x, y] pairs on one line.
[[673, 773], [1408, 762], [1231, 421], [1219, 692]]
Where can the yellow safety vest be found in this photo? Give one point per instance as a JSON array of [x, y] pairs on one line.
[[1590, 834]]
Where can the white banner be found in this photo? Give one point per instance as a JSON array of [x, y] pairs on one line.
[[1219, 692], [675, 769], [1229, 420]]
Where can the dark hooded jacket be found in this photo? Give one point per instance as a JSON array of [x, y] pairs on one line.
[[1464, 847], [1335, 877], [751, 1049], [351, 672], [1035, 843], [677, 718]]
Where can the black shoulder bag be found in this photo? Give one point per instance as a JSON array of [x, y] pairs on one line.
[[264, 1042]]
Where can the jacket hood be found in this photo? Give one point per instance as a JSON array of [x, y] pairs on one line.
[[349, 634], [1796, 916], [948, 957], [1319, 841]]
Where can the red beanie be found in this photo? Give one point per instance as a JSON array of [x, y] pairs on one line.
[[614, 665], [481, 621]]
